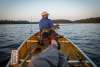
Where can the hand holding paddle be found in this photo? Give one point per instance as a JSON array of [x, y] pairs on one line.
[[55, 27]]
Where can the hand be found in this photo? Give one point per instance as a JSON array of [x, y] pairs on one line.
[[53, 42]]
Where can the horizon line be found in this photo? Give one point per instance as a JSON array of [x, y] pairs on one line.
[[38, 20]]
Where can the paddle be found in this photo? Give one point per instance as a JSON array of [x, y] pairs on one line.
[[56, 27]]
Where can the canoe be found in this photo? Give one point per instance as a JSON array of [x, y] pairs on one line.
[[30, 47]]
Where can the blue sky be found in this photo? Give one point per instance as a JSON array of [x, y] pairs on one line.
[[58, 9]]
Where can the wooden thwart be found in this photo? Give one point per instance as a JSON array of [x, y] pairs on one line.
[[33, 41]]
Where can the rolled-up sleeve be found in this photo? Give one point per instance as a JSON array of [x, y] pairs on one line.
[[51, 23], [40, 25]]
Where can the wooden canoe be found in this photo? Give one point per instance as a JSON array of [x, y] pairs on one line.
[[21, 56]]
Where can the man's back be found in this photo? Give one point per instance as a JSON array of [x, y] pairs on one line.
[[45, 24]]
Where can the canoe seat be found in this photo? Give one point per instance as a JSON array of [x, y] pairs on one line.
[[38, 41], [77, 61], [22, 60], [32, 41], [64, 41], [70, 61]]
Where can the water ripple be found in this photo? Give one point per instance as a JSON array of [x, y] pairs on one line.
[[85, 36]]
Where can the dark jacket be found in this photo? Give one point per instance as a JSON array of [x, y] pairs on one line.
[[50, 57]]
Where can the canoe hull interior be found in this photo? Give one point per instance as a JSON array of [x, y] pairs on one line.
[[75, 57]]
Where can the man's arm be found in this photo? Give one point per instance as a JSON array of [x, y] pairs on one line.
[[51, 23], [40, 25]]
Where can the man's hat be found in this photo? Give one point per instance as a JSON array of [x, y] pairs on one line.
[[44, 13]]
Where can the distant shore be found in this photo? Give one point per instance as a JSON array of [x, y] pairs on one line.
[[57, 21]]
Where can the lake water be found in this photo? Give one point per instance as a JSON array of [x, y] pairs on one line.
[[85, 36]]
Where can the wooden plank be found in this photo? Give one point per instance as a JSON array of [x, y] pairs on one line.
[[32, 41], [14, 58]]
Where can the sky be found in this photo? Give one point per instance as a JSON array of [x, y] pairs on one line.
[[58, 9]]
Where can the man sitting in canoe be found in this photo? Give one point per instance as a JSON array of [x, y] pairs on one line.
[[45, 23], [46, 26]]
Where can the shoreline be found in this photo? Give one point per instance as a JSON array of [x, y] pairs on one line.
[[54, 23]]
